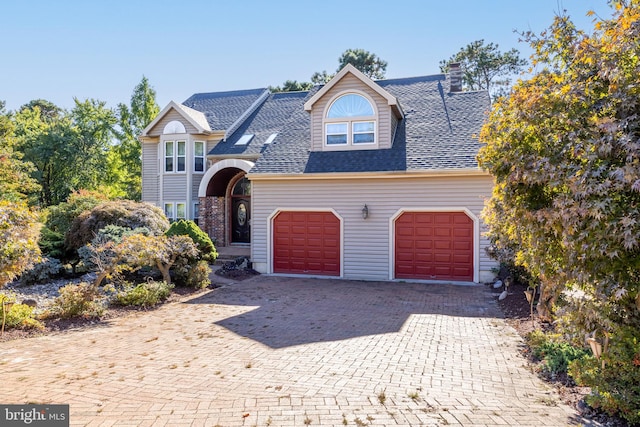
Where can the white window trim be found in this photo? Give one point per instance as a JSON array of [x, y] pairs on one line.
[[196, 210], [173, 210], [175, 157], [350, 121], [204, 156], [178, 218]]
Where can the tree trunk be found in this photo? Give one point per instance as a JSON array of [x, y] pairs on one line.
[[545, 302], [164, 269]]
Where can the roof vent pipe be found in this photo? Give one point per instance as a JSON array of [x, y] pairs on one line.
[[455, 77]]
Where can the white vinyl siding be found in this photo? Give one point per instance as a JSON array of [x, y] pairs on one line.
[[366, 242], [349, 83]]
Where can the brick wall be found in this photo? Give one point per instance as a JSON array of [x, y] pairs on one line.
[[212, 219]]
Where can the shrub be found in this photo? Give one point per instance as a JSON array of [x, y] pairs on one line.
[[17, 315], [615, 388], [78, 300], [199, 237], [193, 274], [123, 213], [47, 269], [19, 231], [59, 219], [555, 354], [144, 295]]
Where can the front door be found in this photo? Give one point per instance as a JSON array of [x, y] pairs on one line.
[[241, 212]]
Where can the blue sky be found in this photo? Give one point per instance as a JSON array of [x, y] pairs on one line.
[[58, 50]]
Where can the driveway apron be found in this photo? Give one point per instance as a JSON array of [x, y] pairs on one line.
[[284, 351]]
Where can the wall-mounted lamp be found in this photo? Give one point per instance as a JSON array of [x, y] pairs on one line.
[[365, 212]]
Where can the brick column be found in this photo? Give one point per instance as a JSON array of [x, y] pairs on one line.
[[212, 219]]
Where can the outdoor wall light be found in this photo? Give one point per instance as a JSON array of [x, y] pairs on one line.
[[365, 212]]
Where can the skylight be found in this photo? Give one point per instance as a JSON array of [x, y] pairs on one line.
[[244, 140], [271, 138]]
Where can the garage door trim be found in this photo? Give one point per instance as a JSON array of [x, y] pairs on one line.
[[271, 218], [476, 237]]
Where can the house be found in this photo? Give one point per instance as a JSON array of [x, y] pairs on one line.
[[359, 179]]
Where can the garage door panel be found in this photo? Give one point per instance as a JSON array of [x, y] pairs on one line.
[[434, 245], [306, 243]]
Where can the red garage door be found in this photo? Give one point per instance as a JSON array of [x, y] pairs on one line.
[[434, 246], [306, 243]]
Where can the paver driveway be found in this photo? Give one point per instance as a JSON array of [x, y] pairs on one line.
[[292, 352]]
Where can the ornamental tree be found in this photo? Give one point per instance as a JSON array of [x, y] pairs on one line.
[[564, 149], [565, 153], [19, 232]]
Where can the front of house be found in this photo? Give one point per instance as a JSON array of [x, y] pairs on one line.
[[358, 179]]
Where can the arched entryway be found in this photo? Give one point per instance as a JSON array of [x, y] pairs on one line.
[[225, 202]]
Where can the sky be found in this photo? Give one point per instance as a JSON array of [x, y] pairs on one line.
[[101, 49]]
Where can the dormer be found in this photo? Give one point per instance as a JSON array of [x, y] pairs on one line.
[[352, 112]]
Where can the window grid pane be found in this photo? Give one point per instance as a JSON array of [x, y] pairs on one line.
[[168, 210], [181, 210]]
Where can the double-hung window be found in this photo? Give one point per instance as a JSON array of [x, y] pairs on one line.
[[350, 120], [175, 156], [198, 156], [175, 211]]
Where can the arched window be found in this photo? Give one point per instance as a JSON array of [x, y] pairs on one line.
[[350, 119]]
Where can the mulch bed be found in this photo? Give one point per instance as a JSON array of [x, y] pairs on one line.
[[517, 313]]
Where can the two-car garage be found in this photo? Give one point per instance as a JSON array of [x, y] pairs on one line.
[[426, 245]]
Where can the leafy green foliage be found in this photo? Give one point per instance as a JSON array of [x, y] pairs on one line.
[[365, 61], [161, 252], [19, 232], [126, 166], [484, 67], [146, 294], [58, 222], [291, 86], [368, 63], [56, 142], [16, 182], [123, 213], [82, 299], [199, 237], [17, 315], [192, 274], [616, 387], [45, 270], [555, 354]]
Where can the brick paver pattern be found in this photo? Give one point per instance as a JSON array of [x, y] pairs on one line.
[[276, 351]]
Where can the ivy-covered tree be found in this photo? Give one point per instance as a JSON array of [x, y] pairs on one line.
[[564, 149], [485, 67]]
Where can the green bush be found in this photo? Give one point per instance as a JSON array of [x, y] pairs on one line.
[[555, 354], [82, 299], [193, 274], [123, 213], [616, 388], [144, 295], [17, 315], [199, 237]]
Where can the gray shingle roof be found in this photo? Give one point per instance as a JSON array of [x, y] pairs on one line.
[[436, 133], [268, 119], [222, 109]]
